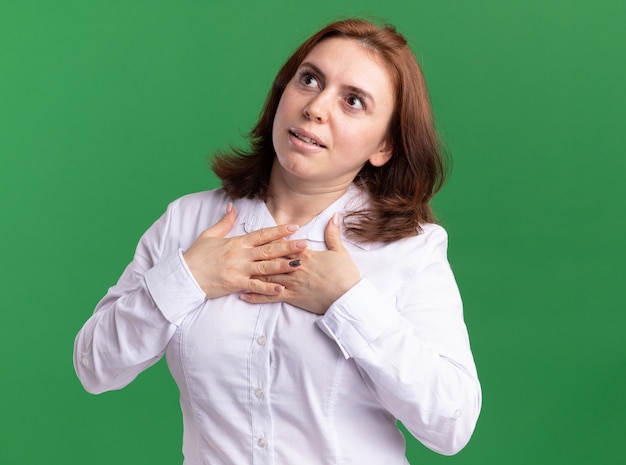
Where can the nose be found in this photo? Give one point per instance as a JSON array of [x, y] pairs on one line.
[[317, 109]]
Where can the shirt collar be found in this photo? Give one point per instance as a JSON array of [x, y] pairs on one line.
[[253, 215]]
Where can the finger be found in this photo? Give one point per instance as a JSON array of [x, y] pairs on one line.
[[275, 267], [267, 235], [332, 234], [279, 248], [253, 298], [257, 286], [279, 279], [224, 225]]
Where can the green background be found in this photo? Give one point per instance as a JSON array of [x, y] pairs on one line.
[[108, 111]]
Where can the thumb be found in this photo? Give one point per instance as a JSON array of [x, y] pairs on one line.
[[223, 226], [332, 234]]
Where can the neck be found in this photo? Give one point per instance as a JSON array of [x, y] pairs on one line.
[[298, 203]]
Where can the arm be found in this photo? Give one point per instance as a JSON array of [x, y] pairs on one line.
[[414, 354], [132, 325]]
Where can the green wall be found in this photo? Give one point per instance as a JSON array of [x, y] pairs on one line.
[[108, 111]]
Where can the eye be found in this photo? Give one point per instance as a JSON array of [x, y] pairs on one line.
[[355, 102], [308, 79]]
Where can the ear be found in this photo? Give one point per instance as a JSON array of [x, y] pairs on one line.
[[382, 155]]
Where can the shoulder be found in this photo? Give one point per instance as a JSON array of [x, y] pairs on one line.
[[183, 221], [429, 239], [192, 213], [428, 236], [432, 232], [200, 199], [200, 204], [401, 260], [428, 244]]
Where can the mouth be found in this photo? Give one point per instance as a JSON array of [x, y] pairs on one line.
[[306, 139]]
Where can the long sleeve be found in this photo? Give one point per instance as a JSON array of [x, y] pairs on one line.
[[132, 325], [412, 349]]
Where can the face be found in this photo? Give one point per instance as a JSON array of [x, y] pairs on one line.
[[333, 116]]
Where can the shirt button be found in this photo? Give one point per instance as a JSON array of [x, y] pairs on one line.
[[261, 340], [262, 442], [258, 392], [458, 413], [85, 361]]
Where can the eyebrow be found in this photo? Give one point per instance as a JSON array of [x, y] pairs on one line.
[[354, 89]]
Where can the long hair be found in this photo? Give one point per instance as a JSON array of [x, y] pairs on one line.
[[400, 190]]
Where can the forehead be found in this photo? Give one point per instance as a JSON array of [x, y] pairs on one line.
[[350, 59]]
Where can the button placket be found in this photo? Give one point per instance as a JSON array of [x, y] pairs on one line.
[[260, 385]]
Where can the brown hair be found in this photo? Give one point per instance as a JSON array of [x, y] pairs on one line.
[[401, 189]]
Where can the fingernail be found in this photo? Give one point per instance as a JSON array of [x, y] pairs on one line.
[[244, 296], [229, 207], [279, 289], [294, 263], [335, 219], [292, 227], [301, 244]]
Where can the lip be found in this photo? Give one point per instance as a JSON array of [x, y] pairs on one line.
[[309, 135]]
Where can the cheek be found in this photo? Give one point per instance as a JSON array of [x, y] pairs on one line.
[[279, 112], [378, 133], [278, 120], [285, 101], [363, 138], [284, 110]]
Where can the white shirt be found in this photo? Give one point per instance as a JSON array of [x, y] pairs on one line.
[[274, 384]]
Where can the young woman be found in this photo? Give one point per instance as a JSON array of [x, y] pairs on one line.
[[308, 304]]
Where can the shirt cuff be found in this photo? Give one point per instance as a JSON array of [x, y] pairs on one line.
[[173, 288], [358, 318]]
